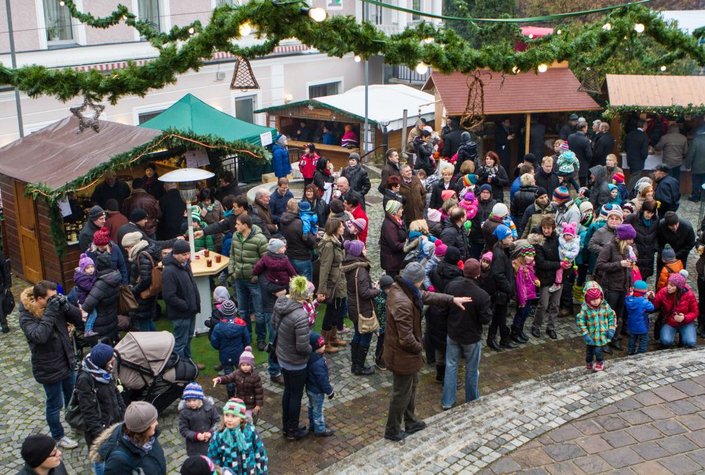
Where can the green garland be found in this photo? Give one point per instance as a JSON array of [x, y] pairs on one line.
[[673, 111], [181, 51], [170, 140]]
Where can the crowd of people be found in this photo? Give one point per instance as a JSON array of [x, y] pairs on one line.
[[462, 238]]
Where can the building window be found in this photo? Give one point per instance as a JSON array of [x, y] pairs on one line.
[[232, 3], [245, 107], [416, 5], [334, 5], [58, 22], [327, 89], [145, 116], [149, 12]]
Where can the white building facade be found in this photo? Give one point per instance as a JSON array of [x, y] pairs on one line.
[[45, 34]]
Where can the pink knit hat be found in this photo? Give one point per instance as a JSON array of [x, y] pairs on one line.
[[678, 280], [569, 229], [488, 256], [441, 248], [85, 261], [247, 357], [447, 194]]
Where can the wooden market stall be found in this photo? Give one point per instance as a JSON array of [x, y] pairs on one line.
[[40, 171], [522, 97], [658, 100], [386, 106]]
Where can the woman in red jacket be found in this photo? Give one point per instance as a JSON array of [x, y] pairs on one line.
[[307, 163], [679, 309]]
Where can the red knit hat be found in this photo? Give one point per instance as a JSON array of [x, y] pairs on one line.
[[101, 237], [593, 294], [618, 177]]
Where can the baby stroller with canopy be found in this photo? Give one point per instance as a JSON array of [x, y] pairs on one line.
[[150, 370]]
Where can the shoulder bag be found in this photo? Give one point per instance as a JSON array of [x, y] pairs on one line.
[[127, 302], [155, 286], [364, 324], [73, 415]]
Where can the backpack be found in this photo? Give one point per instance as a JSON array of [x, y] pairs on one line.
[[155, 286], [73, 415]]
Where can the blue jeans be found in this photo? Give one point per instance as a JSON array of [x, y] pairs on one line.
[[247, 290], [146, 325], [521, 316], [643, 341], [303, 267], [316, 418], [668, 335], [362, 339], [183, 332], [274, 369], [594, 352], [58, 396], [90, 321], [472, 353], [99, 468]]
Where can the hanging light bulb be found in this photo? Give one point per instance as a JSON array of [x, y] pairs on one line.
[[515, 70], [421, 68], [607, 27], [639, 27], [558, 32], [428, 40], [531, 36], [61, 3], [542, 68], [318, 14], [663, 68], [191, 31], [245, 29], [357, 58]]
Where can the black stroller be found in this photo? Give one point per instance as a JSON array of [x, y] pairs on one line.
[[149, 370]]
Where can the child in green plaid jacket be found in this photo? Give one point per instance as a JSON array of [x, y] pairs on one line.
[[597, 322]]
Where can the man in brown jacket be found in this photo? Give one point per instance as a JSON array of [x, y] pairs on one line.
[[403, 346]]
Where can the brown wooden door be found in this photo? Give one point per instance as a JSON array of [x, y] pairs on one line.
[[27, 229]]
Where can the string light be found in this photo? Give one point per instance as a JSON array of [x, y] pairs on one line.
[[663, 68], [516, 70], [558, 32], [318, 14], [421, 68], [245, 29], [607, 26], [531, 36], [191, 31], [542, 68], [639, 28], [61, 3], [357, 58], [428, 41]]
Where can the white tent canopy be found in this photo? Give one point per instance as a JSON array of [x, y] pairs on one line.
[[386, 104]]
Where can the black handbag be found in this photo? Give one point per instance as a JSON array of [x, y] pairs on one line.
[[8, 302], [73, 415]]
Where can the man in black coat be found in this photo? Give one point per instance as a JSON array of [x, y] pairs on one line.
[[227, 186], [357, 176], [95, 221], [546, 178], [547, 263], [103, 298], [679, 234], [111, 188], [44, 315], [502, 275], [173, 209], [603, 145], [580, 144], [299, 247], [391, 168], [569, 127], [503, 136], [452, 139], [453, 234], [667, 190], [636, 146], [181, 296], [465, 333]]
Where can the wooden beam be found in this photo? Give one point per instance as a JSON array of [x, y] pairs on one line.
[[527, 134]]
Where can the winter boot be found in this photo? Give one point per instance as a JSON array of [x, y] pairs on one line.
[[440, 373], [334, 338], [329, 345], [516, 337], [354, 348], [362, 368]]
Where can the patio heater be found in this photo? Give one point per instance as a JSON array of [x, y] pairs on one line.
[[187, 178]]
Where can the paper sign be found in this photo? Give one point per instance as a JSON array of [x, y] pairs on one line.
[[64, 207], [266, 138], [196, 158]]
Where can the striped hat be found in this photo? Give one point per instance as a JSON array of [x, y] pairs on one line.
[[469, 179], [235, 407], [193, 391], [561, 194], [640, 288], [618, 177], [228, 308], [564, 146], [392, 207], [247, 357]]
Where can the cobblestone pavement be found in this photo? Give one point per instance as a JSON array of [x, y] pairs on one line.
[[358, 412]]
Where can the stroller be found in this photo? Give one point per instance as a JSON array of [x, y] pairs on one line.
[[150, 370]]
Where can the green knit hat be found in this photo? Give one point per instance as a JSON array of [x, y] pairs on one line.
[[235, 407]]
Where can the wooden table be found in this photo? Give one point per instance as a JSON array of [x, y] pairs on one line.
[[202, 274]]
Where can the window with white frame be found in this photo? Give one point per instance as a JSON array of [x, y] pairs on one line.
[[232, 3], [325, 89], [57, 21], [245, 108], [148, 10], [143, 117], [416, 5]]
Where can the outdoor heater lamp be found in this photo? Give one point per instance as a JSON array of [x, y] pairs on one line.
[[187, 178]]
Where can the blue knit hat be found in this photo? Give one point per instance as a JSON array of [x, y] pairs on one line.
[[502, 232], [101, 354], [640, 287], [486, 187], [304, 206], [193, 391], [316, 341]]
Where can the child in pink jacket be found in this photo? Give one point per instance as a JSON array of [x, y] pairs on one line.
[[526, 282]]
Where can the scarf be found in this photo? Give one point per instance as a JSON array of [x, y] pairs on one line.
[[235, 437], [99, 374], [144, 448], [136, 249]]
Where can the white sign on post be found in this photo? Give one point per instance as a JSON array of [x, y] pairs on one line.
[[196, 158], [266, 138]]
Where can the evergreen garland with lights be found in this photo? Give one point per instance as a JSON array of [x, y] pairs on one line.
[[186, 48]]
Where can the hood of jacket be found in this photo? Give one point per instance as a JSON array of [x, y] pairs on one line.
[[231, 328], [207, 404], [30, 304], [276, 261], [352, 262], [600, 173], [285, 305], [170, 260], [112, 277], [288, 217], [447, 271]]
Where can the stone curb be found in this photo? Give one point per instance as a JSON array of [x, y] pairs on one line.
[[473, 435]]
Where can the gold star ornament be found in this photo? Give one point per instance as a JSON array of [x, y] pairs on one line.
[[88, 114]]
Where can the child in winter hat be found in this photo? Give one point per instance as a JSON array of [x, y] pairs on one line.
[[309, 218], [198, 419], [318, 385], [568, 250], [597, 323], [248, 384], [671, 265], [230, 337], [84, 278], [237, 445], [638, 308]]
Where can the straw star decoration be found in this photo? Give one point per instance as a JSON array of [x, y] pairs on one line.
[[86, 118]]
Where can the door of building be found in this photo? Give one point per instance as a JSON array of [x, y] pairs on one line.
[[27, 230]]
